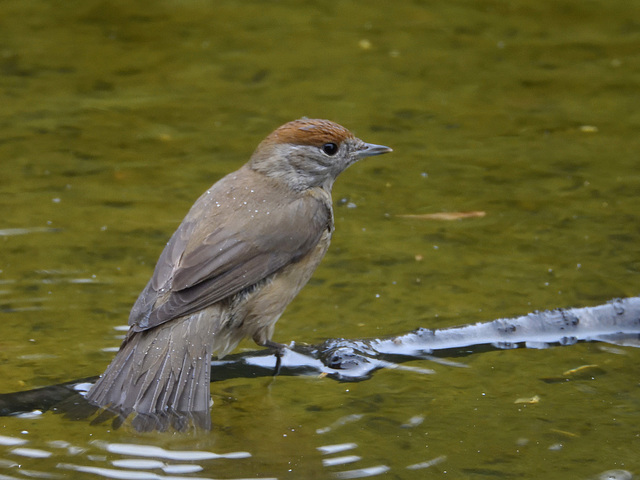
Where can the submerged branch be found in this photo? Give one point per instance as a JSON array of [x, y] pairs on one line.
[[615, 322]]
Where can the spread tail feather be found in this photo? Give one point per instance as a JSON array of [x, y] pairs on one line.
[[161, 376]]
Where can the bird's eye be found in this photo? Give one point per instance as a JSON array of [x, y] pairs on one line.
[[330, 149]]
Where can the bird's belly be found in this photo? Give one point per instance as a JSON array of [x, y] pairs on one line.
[[255, 315]]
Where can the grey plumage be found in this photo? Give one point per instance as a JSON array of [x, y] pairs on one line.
[[242, 253]]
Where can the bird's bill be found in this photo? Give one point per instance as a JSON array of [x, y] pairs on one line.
[[370, 149]]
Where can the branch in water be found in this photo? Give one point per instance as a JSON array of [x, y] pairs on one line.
[[615, 322]]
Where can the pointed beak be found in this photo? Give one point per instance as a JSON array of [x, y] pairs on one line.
[[370, 149]]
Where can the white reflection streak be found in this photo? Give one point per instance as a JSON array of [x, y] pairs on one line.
[[131, 475], [330, 462], [157, 452], [337, 448], [111, 349], [413, 421], [363, 472], [31, 452], [430, 463], [340, 422], [28, 473], [10, 232], [11, 441], [138, 463], [183, 468], [143, 464], [113, 473], [82, 388], [406, 368]]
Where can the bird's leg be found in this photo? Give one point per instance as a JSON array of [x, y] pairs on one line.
[[278, 351]]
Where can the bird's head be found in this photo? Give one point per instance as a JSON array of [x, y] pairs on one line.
[[308, 153]]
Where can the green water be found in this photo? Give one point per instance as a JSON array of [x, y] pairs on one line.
[[116, 116]]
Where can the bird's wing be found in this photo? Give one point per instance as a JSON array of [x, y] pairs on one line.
[[221, 250]]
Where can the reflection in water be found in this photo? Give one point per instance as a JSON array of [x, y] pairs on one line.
[[140, 460], [615, 475], [340, 422], [363, 472], [618, 318], [30, 452], [126, 467], [147, 461], [6, 232], [427, 464], [338, 448], [331, 462], [133, 474], [157, 452]]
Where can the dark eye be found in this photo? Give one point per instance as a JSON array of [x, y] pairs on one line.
[[330, 149]]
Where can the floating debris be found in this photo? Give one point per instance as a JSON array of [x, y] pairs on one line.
[[530, 401], [565, 433], [579, 369]]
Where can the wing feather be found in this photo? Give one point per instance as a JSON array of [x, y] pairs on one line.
[[229, 241]]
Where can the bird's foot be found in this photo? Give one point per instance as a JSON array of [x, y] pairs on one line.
[[278, 351]]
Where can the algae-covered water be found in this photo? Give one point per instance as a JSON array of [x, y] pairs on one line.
[[115, 116]]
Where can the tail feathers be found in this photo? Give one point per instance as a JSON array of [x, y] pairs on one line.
[[161, 376]]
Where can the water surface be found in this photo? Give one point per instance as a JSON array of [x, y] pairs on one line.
[[115, 117]]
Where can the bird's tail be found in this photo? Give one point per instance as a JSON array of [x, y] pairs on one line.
[[161, 376]]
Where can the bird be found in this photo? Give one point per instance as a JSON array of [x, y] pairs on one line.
[[242, 253]]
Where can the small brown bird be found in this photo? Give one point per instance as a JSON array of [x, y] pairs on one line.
[[242, 253]]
